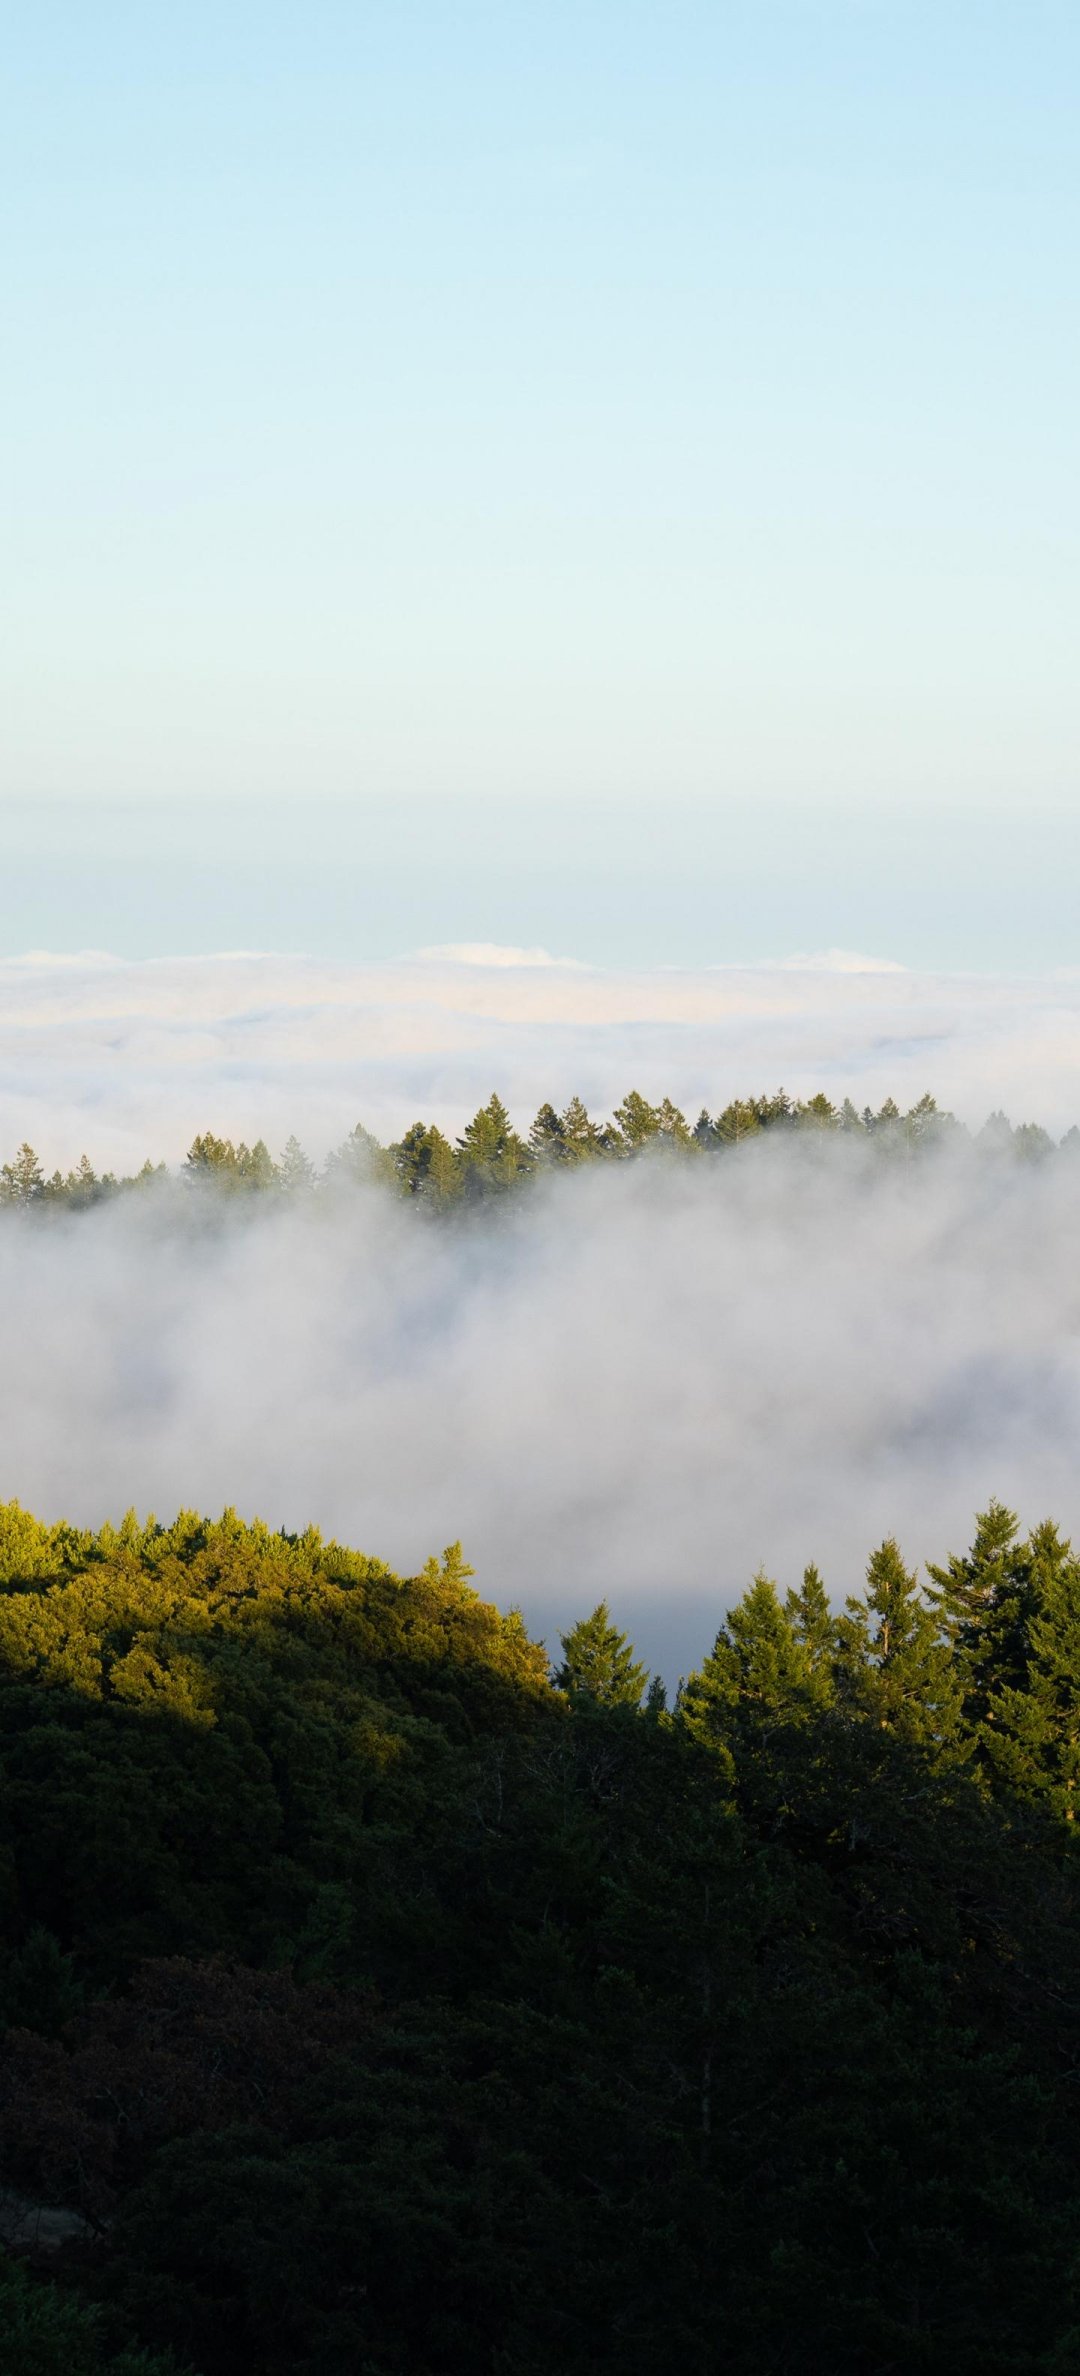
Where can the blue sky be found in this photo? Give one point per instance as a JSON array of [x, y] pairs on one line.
[[447, 411]]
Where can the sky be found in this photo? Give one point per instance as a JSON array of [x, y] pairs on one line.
[[540, 552], [611, 466]]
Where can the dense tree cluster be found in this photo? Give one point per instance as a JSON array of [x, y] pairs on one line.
[[491, 1156], [377, 2000]]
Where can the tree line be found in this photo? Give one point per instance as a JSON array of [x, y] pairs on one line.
[[378, 1995], [491, 1156]]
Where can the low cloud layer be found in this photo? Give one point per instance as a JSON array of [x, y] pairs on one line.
[[642, 1381], [127, 1060]]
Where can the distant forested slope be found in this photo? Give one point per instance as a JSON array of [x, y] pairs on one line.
[[377, 2001], [491, 1157]]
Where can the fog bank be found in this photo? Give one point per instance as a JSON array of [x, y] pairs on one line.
[[128, 1060], [641, 1381]]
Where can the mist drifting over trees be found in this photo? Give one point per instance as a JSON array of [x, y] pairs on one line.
[[632, 1374]]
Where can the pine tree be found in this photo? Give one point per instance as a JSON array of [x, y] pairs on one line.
[[1032, 1731], [894, 1668], [491, 1153], [814, 1627], [295, 1173], [672, 1126], [22, 1182], [547, 1137], [581, 1137], [983, 1605], [817, 1113], [211, 1160], [425, 1164], [636, 1122], [256, 1165], [656, 1698], [360, 1161], [738, 1121], [758, 1674], [82, 1184], [599, 1664]]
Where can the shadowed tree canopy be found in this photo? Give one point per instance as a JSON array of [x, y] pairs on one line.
[[368, 2003]]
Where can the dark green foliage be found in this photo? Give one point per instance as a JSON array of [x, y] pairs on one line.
[[373, 2006], [894, 1669], [46, 2332]]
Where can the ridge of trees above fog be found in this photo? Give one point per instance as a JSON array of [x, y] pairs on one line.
[[491, 1157], [379, 1996]]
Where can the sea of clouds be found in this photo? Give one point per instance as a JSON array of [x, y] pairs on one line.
[[127, 1059], [641, 1381]]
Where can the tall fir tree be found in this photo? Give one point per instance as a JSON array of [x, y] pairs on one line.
[[758, 1674], [491, 1155], [599, 1664], [810, 1616], [22, 1181], [894, 1668], [547, 1138], [982, 1600], [1031, 1731], [582, 1137], [426, 1165]]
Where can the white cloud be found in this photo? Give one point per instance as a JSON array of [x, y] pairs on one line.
[[641, 1382], [491, 953], [840, 961], [129, 1059]]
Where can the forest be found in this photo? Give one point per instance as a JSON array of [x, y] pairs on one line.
[[379, 1996], [490, 1156]]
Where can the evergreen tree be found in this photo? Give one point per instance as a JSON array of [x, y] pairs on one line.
[[295, 1173], [547, 1137], [886, 1122], [425, 1164], [360, 1161], [1031, 1143], [22, 1182], [739, 1120], [894, 1667], [817, 1113], [82, 1185], [581, 1137], [758, 1674], [996, 1135], [673, 1128], [983, 1601], [598, 1663], [926, 1124], [814, 1626], [491, 1153], [636, 1122], [256, 1165], [1032, 1733]]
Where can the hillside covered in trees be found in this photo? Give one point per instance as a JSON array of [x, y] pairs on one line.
[[376, 1998], [491, 1156]]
